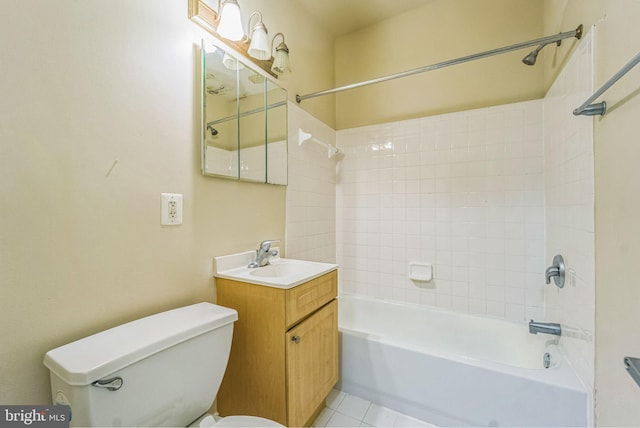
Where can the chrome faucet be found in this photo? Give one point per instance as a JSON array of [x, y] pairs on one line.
[[544, 327], [263, 253]]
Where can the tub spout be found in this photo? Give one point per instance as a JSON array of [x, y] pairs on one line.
[[544, 327]]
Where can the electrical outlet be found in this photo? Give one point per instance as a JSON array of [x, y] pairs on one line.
[[171, 209]]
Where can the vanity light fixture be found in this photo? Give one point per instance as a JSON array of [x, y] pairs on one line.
[[281, 58], [259, 47], [225, 24], [230, 23]]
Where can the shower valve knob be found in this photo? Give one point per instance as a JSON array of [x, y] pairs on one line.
[[557, 271]]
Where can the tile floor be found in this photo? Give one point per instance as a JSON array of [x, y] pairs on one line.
[[344, 410]]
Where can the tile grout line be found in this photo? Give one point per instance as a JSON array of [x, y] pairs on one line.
[[361, 421]]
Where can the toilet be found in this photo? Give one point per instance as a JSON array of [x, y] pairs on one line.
[[162, 370]]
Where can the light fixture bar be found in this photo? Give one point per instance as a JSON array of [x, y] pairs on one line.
[[577, 33]]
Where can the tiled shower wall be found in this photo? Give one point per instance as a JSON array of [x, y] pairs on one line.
[[311, 193], [570, 207], [463, 192]]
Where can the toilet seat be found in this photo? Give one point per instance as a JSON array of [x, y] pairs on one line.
[[236, 421], [246, 421]]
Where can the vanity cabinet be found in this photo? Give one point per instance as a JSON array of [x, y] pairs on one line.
[[284, 354]]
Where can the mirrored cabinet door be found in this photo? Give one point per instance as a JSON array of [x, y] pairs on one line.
[[220, 106], [244, 120], [277, 130], [252, 126]]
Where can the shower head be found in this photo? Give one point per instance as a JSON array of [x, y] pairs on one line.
[[533, 55], [213, 130]]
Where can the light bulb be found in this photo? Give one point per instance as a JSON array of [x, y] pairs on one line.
[[230, 26], [259, 47]]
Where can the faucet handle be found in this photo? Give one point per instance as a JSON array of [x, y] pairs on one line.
[[266, 245], [556, 271]]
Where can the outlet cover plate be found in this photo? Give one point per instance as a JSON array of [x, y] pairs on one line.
[[171, 209]]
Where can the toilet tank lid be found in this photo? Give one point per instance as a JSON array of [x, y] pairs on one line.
[[95, 357]]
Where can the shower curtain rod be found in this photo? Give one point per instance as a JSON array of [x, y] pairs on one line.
[[577, 33]]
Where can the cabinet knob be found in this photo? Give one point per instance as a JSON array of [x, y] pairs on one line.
[[295, 339]]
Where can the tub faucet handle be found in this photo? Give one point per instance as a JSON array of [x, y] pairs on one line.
[[556, 271]]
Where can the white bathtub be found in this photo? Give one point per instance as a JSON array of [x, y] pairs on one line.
[[453, 369]]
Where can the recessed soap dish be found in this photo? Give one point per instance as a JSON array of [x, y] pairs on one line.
[[421, 272]]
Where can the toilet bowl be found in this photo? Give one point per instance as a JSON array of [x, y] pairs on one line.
[[209, 421], [162, 370]]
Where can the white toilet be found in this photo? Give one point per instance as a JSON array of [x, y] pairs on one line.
[[162, 370]]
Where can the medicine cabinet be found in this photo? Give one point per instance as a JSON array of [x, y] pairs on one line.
[[244, 117]]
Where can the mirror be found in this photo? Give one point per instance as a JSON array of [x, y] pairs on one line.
[[244, 120], [220, 106], [252, 126], [277, 131]]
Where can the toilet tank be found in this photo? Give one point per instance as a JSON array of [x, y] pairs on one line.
[[162, 370]]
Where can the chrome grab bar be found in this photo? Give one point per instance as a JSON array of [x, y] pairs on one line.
[[588, 109]]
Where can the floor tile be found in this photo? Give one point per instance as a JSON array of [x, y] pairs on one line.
[[340, 420], [345, 410], [354, 406], [323, 417], [335, 398], [409, 422], [379, 416]]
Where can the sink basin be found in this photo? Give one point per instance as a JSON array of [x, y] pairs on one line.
[[281, 269], [280, 273]]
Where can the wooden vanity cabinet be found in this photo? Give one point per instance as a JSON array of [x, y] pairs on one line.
[[284, 354]]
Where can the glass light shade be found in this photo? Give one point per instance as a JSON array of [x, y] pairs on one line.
[[259, 47], [281, 60], [230, 25], [231, 63]]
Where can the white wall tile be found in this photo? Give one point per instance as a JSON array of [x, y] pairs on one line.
[[569, 200], [457, 190], [311, 193]]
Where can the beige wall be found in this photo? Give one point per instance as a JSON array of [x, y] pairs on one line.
[[99, 115], [440, 31], [616, 198], [617, 228], [562, 15]]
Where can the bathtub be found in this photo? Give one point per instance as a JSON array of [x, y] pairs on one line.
[[452, 369]]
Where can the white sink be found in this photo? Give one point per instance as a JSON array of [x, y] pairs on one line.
[[279, 273], [282, 268]]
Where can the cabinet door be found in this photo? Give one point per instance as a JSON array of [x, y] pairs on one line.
[[312, 363]]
